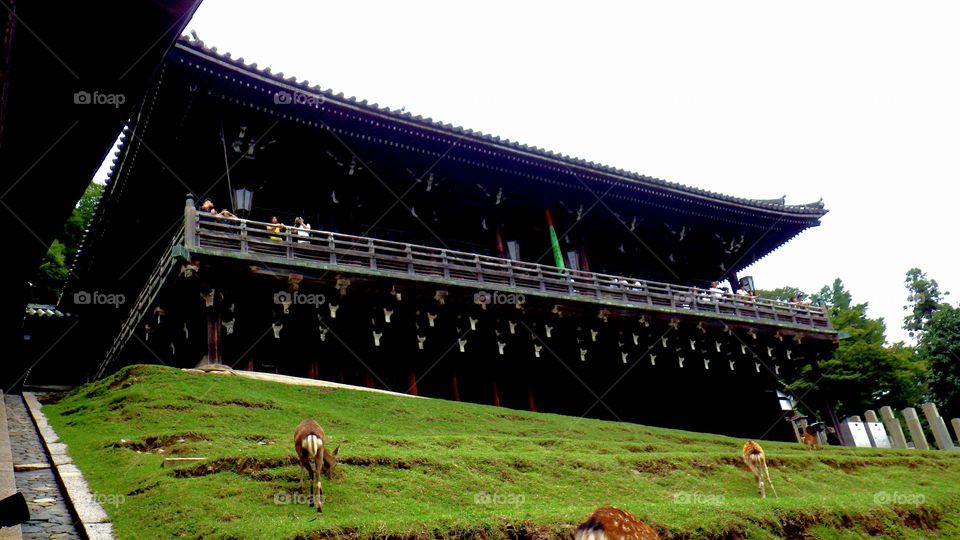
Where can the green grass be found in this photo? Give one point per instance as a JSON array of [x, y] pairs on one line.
[[428, 468]]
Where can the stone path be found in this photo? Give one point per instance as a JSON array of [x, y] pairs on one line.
[[49, 517]]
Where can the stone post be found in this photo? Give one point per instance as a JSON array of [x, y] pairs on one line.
[[956, 427], [916, 430], [871, 416], [893, 428], [939, 428]]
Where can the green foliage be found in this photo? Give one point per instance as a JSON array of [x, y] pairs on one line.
[[924, 299], [940, 346], [862, 373], [430, 468], [54, 270], [783, 294]]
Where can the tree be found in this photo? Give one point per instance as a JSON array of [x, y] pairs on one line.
[[862, 371], [47, 283], [783, 294], [940, 347], [924, 298]]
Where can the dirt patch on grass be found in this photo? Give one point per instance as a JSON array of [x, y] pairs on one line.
[[257, 468], [169, 407], [164, 444], [237, 402], [656, 467], [392, 462], [142, 490], [640, 449]]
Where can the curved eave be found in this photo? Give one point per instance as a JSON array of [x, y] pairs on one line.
[[811, 212]]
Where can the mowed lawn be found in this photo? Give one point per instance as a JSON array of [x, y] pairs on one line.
[[429, 468]]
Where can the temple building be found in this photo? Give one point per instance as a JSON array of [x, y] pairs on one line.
[[439, 261]]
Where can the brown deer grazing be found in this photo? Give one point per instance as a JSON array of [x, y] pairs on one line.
[[757, 462], [310, 444], [810, 439], [609, 523]]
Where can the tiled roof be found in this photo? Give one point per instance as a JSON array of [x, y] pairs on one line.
[[195, 45]]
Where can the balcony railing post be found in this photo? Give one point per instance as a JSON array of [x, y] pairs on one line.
[[446, 264], [476, 259], [190, 223], [244, 244], [372, 250], [408, 250], [333, 248]]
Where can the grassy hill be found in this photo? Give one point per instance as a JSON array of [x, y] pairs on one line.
[[416, 468]]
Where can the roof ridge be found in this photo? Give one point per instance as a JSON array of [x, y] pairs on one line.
[[193, 42]]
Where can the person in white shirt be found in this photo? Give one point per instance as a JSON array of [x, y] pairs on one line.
[[302, 230]]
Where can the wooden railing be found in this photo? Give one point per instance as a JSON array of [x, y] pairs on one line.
[[143, 303], [353, 253]]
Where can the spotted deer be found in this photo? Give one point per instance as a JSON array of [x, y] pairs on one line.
[[754, 458], [609, 523], [310, 444]]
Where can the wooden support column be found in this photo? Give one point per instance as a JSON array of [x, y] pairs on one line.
[[496, 395], [190, 222], [412, 383], [531, 400], [213, 338], [456, 387]]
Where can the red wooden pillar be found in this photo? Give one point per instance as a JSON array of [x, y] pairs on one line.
[[250, 366], [496, 395], [368, 381], [533, 404], [412, 383], [456, 387]]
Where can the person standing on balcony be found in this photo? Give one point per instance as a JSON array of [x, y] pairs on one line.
[[303, 230], [276, 227]]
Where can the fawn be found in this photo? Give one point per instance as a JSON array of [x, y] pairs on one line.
[[310, 444], [609, 523], [757, 462]]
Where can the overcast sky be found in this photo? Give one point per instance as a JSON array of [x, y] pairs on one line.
[[854, 102]]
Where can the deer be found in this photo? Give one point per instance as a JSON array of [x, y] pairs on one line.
[[754, 458], [310, 443], [609, 523], [810, 440]]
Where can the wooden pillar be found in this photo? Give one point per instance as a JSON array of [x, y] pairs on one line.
[[412, 383], [937, 425], [916, 430], [368, 381], [532, 402], [893, 428], [496, 395], [456, 387], [213, 339], [190, 222]]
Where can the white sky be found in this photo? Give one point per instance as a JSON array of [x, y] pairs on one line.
[[854, 102]]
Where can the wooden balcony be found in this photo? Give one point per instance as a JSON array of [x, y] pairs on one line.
[[213, 235]]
